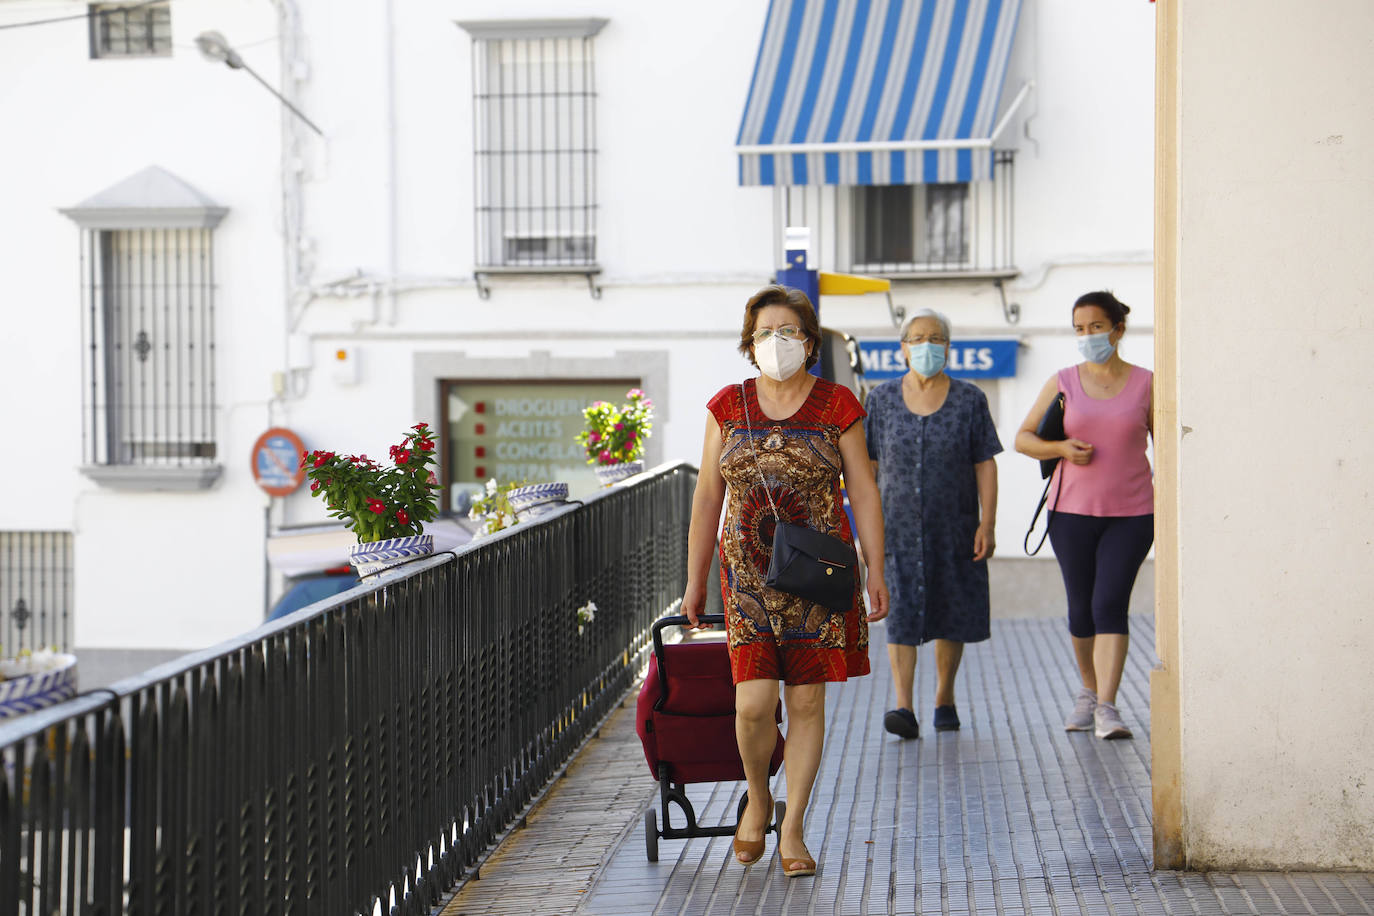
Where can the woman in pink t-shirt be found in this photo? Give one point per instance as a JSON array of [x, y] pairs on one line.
[[1101, 521]]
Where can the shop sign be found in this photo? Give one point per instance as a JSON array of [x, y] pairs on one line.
[[522, 431], [988, 358]]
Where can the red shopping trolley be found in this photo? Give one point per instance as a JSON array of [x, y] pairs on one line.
[[686, 721]]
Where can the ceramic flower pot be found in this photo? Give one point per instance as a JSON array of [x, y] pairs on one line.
[[537, 499], [611, 474], [371, 557], [30, 684]]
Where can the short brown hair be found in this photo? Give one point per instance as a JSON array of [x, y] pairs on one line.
[[800, 305]]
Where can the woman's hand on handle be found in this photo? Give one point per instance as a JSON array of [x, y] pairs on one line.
[[694, 605]]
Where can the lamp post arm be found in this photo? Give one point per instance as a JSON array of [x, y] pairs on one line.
[[281, 98]]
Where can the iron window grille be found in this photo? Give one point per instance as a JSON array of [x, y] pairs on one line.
[[935, 228], [140, 30], [150, 379], [35, 590], [908, 231], [910, 227], [535, 187]]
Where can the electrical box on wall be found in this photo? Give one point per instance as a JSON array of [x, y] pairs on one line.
[[346, 365]]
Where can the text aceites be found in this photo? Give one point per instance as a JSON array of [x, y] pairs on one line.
[[532, 440]]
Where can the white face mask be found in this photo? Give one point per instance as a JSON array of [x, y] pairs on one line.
[[780, 359]]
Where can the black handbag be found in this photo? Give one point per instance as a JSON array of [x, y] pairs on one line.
[[1051, 429], [815, 566], [807, 563]]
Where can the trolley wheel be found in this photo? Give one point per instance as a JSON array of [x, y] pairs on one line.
[[651, 835], [779, 810]]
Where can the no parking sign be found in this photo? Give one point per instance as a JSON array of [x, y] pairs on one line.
[[277, 461]]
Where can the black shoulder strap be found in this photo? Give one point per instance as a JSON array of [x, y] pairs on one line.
[[1025, 543]]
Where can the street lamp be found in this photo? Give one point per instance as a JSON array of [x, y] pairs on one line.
[[214, 47]]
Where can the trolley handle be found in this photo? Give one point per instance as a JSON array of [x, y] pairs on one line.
[[673, 620]]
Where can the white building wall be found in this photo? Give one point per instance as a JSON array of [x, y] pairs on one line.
[[1275, 194], [77, 126], [681, 245]]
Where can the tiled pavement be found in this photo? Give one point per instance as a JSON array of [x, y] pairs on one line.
[[1009, 815]]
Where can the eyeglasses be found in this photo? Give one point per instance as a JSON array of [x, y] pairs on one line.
[[936, 339], [786, 332]]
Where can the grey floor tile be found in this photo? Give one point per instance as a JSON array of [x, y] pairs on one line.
[[1009, 815]]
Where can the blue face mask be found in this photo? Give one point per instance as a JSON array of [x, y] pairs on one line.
[[1096, 348], [926, 358]]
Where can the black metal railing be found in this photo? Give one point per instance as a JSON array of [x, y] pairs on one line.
[[359, 755], [35, 591]]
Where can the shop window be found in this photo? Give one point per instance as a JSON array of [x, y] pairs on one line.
[[518, 431]]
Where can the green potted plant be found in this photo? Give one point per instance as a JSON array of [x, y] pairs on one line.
[[613, 436], [385, 507]]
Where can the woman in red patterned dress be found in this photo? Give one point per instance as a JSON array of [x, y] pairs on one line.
[[805, 434]]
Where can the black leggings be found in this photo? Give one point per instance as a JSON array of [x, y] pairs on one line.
[[1099, 557]]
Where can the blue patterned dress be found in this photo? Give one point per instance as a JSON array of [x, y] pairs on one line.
[[930, 511]]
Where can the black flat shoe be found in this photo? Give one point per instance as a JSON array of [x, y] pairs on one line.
[[902, 723], [946, 719]]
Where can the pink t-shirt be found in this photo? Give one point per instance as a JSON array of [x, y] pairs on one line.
[[1118, 481]]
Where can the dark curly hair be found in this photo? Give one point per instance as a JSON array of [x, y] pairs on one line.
[[794, 299], [1116, 309]]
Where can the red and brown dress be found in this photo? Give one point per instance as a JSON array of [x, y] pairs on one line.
[[772, 634]]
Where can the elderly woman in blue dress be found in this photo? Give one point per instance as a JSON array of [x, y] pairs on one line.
[[931, 440]]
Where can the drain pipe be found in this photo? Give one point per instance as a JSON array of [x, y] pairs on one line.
[[392, 193], [296, 279]]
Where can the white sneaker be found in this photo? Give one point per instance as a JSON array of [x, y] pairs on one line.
[[1081, 719], [1109, 724]]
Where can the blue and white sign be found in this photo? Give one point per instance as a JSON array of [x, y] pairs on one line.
[[993, 357], [277, 461]]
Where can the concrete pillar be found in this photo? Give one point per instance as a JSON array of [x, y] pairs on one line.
[[1264, 757]]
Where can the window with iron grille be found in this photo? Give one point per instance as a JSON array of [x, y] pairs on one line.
[[150, 380], [148, 327], [935, 228], [137, 30], [534, 104], [897, 227], [35, 590], [908, 231]]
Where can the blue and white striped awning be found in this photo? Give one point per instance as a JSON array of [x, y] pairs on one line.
[[876, 92]]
